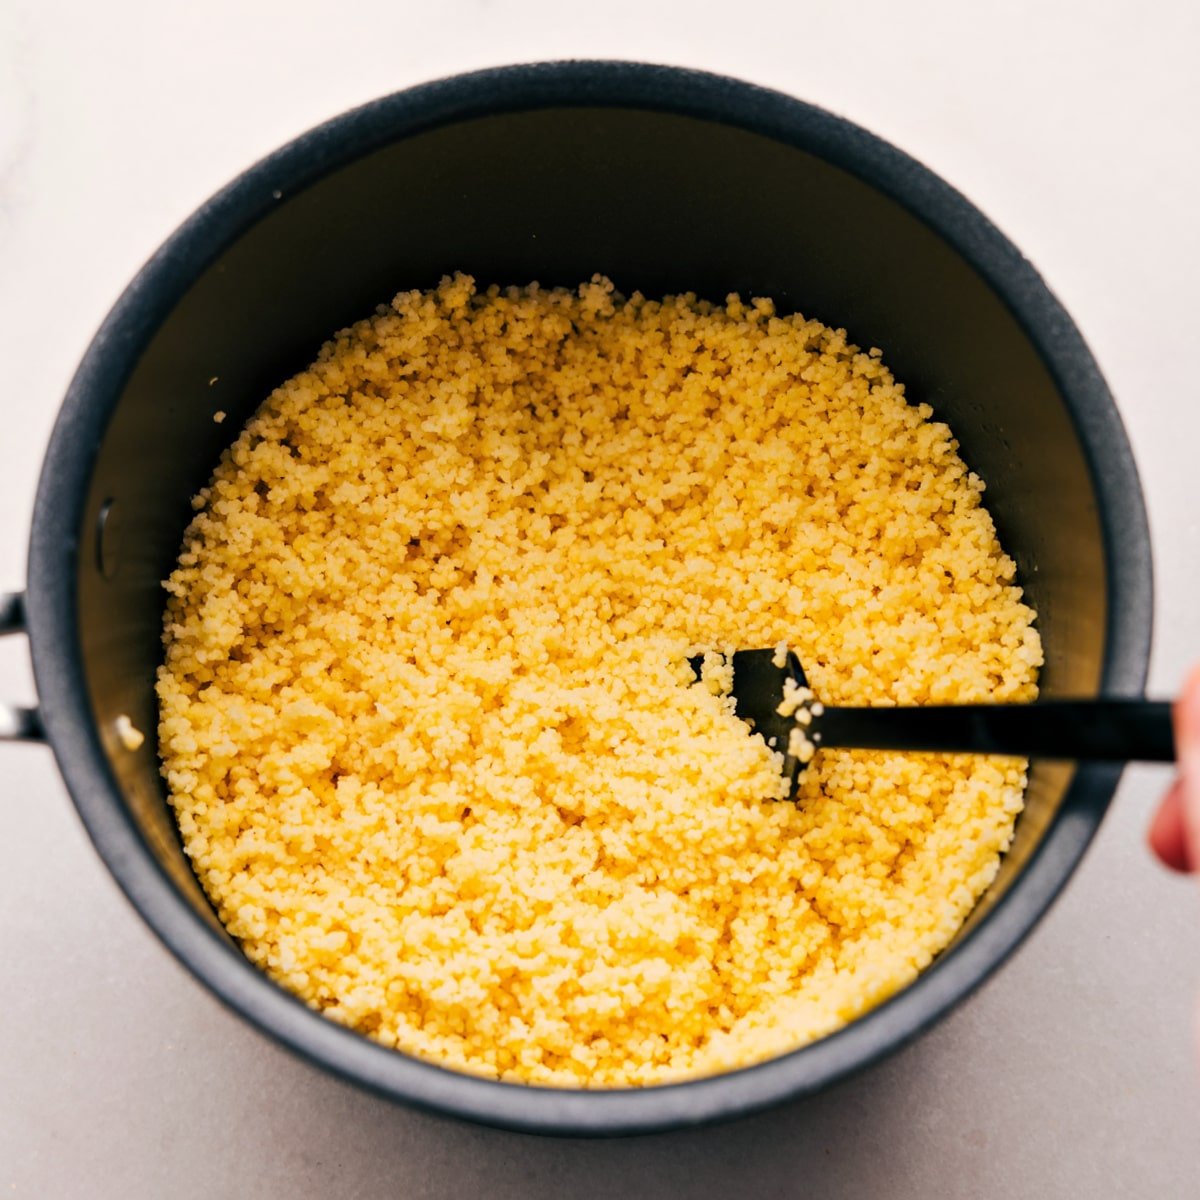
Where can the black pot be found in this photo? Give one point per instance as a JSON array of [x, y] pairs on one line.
[[665, 180]]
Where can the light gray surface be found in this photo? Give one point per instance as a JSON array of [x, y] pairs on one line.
[[1074, 127]]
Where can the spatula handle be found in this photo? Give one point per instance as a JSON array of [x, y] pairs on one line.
[[1097, 730]]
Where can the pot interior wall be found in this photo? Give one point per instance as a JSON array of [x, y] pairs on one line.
[[659, 203]]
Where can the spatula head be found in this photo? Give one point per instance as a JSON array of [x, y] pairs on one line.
[[758, 690]]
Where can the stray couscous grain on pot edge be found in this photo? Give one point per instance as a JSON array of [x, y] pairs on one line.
[[427, 719]]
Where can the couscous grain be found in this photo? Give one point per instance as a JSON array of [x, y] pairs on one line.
[[427, 719], [128, 734]]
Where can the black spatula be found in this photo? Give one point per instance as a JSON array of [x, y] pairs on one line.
[[1104, 730]]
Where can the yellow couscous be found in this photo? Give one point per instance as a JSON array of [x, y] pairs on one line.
[[128, 734], [427, 718]]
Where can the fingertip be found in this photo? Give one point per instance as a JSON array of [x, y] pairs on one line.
[[1168, 833], [1187, 709]]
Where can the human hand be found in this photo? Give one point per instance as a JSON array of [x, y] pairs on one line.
[[1175, 831]]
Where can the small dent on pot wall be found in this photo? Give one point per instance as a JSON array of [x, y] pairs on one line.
[[109, 533]]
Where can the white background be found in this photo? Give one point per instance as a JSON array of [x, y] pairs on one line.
[[1074, 126]]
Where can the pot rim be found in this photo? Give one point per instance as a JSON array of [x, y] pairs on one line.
[[132, 322]]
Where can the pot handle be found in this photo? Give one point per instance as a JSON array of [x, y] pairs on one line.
[[17, 724]]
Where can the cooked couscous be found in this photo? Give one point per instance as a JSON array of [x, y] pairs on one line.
[[427, 718], [128, 734]]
